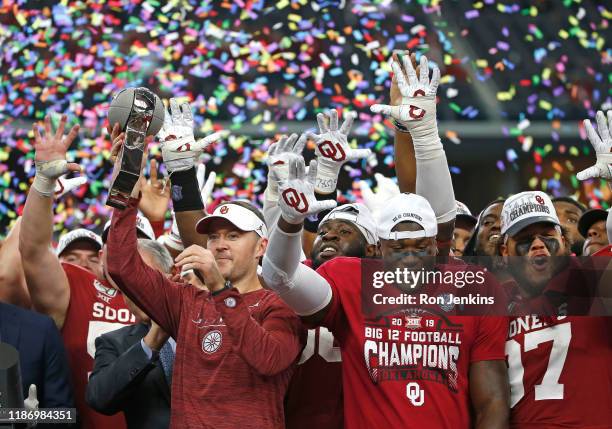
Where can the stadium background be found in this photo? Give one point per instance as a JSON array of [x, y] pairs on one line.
[[517, 79]]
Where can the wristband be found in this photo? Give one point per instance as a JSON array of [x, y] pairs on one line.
[[186, 191], [327, 177], [47, 173]]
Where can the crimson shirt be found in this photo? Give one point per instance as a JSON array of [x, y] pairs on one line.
[[235, 353], [560, 366], [94, 309], [314, 398], [405, 370]]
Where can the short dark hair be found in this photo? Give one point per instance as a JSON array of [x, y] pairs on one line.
[[570, 200], [247, 206]]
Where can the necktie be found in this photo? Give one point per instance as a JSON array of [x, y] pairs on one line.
[[166, 357]]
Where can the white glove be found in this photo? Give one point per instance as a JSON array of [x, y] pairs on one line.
[[279, 155], [179, 148], [386, 190], [333, 150], [417, 111], [63, 185], [31, 402], [206, 185], [602, 144], [297, 194]]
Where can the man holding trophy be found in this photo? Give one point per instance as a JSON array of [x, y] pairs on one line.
[[237, 343]]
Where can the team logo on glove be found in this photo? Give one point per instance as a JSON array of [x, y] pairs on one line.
[[414, 109], [184, 147], [332, 151], [295, 200]]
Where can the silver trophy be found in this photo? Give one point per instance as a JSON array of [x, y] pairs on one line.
[[136, 125]]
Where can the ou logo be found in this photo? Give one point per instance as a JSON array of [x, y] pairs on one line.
[[415, 394], [332, 151], [413, 109], [184, 147], [295, 200]]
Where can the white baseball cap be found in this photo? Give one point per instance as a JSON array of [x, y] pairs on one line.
[[403, 208], [241, 217], [357, 214], [527, 208], [78, 235], [142, 224]]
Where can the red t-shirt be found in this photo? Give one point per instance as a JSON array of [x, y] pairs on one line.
[[94, 309], [235, 353], [314, 397], [407, 370], [606, 251], [560, 367]]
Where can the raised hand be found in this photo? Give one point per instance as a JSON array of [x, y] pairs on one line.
[[279, 155], [418, 101], [332, 149], [297, 194], [155, 195], [50, 155], [179, 148], [602, 143], [386, 190]]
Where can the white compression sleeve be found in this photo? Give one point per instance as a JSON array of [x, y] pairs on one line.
[[302, 288], [433, 182]]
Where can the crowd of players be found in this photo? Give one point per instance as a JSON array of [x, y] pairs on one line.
[[255, 319]]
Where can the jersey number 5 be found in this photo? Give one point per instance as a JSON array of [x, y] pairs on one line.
[[549, 388]]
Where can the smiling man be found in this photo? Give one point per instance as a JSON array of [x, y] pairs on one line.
[[315, 397], [236, 342]]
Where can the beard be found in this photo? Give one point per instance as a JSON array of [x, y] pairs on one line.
[[352, 249]]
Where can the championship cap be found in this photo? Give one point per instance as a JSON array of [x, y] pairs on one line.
[[527, 208], [80, 234], [464, 213], [241, 217], [142, 225], [588, 218], [403, 208], [357, 214]]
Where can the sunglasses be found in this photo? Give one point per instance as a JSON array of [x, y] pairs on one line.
[[524, 244]]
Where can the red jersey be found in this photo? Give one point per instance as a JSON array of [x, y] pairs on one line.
[[235, 352], [560, 367], [94, 309], [314, 398], [606, 251], [405, 369]]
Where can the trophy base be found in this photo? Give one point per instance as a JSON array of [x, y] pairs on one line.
[[121, 190]]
